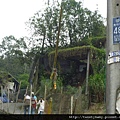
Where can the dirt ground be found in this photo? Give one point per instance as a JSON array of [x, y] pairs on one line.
[[96, 108]]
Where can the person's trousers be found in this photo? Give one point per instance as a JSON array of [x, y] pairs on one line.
[[32, 110], [26, 109], [41, 112]]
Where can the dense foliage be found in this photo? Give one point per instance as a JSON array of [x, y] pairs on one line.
[[79, 27]]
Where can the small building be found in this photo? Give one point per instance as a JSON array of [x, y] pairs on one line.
[[8, 81], [13, 84]]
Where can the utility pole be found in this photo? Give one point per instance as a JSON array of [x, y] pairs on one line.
[[113, 54], [30, 95]]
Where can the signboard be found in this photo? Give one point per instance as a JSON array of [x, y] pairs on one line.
[[113, 57], [113, 60], [116, 30], [114, 54]]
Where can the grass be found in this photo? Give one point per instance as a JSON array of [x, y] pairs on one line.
[[96, 108]]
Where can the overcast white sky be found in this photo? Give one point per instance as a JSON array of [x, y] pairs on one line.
[[14, 14]]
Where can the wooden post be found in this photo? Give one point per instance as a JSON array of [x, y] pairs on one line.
[[18, 92], [87, 75], [45, 92], [75, 106], [60, 106], [17, 97], [45, 95], [71, 111], [8, 101], [87, 72], [50, 106], [2, 95], [80, 99], [61, 101], [30, 95]]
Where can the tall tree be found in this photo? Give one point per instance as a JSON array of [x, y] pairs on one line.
[[77, 24], [13, 53]]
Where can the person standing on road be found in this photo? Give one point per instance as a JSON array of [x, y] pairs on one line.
[[41, 102], [33, 103], [27, 104]]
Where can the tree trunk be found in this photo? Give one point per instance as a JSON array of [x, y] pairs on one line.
[[35, 80]]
